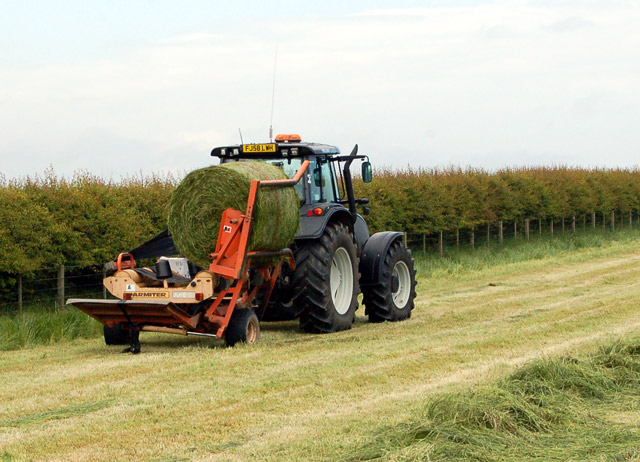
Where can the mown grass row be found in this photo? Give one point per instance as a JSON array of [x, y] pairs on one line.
[[38, 325], [569, 408]]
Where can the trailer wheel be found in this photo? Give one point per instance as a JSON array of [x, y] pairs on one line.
[[326, 281], [393, 298], [116, 335], [243, 327]]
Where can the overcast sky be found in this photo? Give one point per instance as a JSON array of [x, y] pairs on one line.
[[117, 88]]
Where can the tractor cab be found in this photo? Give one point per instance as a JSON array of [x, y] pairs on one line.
[[326, 191]]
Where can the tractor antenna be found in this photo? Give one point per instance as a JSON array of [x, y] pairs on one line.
[[273, 94], [241, 140]]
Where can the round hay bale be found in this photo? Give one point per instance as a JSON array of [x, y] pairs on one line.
[[196, 206]]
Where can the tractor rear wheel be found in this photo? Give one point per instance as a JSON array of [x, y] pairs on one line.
[[326, 281], [392, 299], [243, 327], [116, 335]]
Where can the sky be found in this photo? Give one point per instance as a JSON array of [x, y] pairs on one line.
[[139, 87]]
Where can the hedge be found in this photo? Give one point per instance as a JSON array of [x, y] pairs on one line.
[[87, 220], [425, 201]]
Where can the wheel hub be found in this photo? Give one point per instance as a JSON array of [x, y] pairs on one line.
[[341, 280], [401, 292], [395, 283]]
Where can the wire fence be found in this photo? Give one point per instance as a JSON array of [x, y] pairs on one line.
[[52, 286], [495, 234]]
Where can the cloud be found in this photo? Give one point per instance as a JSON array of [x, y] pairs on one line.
[[569, 25], [490, 80], [498, 32]]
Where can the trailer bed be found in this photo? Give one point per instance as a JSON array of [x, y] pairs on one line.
[[151, 312]]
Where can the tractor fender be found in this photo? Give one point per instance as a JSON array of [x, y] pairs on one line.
[[373, 255], [312, 226]]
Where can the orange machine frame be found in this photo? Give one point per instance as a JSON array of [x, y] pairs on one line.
[[231, 261]]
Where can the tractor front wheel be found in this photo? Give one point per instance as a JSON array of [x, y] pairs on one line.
[[326, 281], [243, 327], [392, 298]]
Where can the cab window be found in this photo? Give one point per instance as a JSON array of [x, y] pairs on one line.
[[323, 188], [290, 168]]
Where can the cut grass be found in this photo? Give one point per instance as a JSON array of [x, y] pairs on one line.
[[552, 409], [317, 397]]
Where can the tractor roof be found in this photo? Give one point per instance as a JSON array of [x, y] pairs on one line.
[[276, 149]]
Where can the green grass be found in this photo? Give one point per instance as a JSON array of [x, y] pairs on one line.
[[375, 391], [57, 414], [459, 263], [34, 326], [552, 409], [45, 326]]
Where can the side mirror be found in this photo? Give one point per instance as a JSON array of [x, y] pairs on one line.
[[367, 173], [317, 177]]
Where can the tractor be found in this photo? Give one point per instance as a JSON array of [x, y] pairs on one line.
[[317, 279]]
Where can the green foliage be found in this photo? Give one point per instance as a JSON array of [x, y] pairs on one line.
[[423, 201], [83, 221], [87, 220]]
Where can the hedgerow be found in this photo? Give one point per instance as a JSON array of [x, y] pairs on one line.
[[425, 201], [87, 220]]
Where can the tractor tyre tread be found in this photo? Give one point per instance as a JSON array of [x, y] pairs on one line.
[[311, 281], [378, 301]]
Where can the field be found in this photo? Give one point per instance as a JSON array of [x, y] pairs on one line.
[[478, 318]]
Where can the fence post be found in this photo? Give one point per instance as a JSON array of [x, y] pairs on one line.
[[593, 219], [473, 237], [424, 243], [551, 226], [457, 238], [515, 229], [440, 243], [584, 221], [604, 220], [540, 226], [630, 220], [60, 295], [526, 227], [405, 239], [488, 234], [613, 220], [501, 235], [104, 289], [20, 293], [562, 225], [573, 224]]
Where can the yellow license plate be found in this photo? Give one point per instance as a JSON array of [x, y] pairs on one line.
[[265, 147]]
